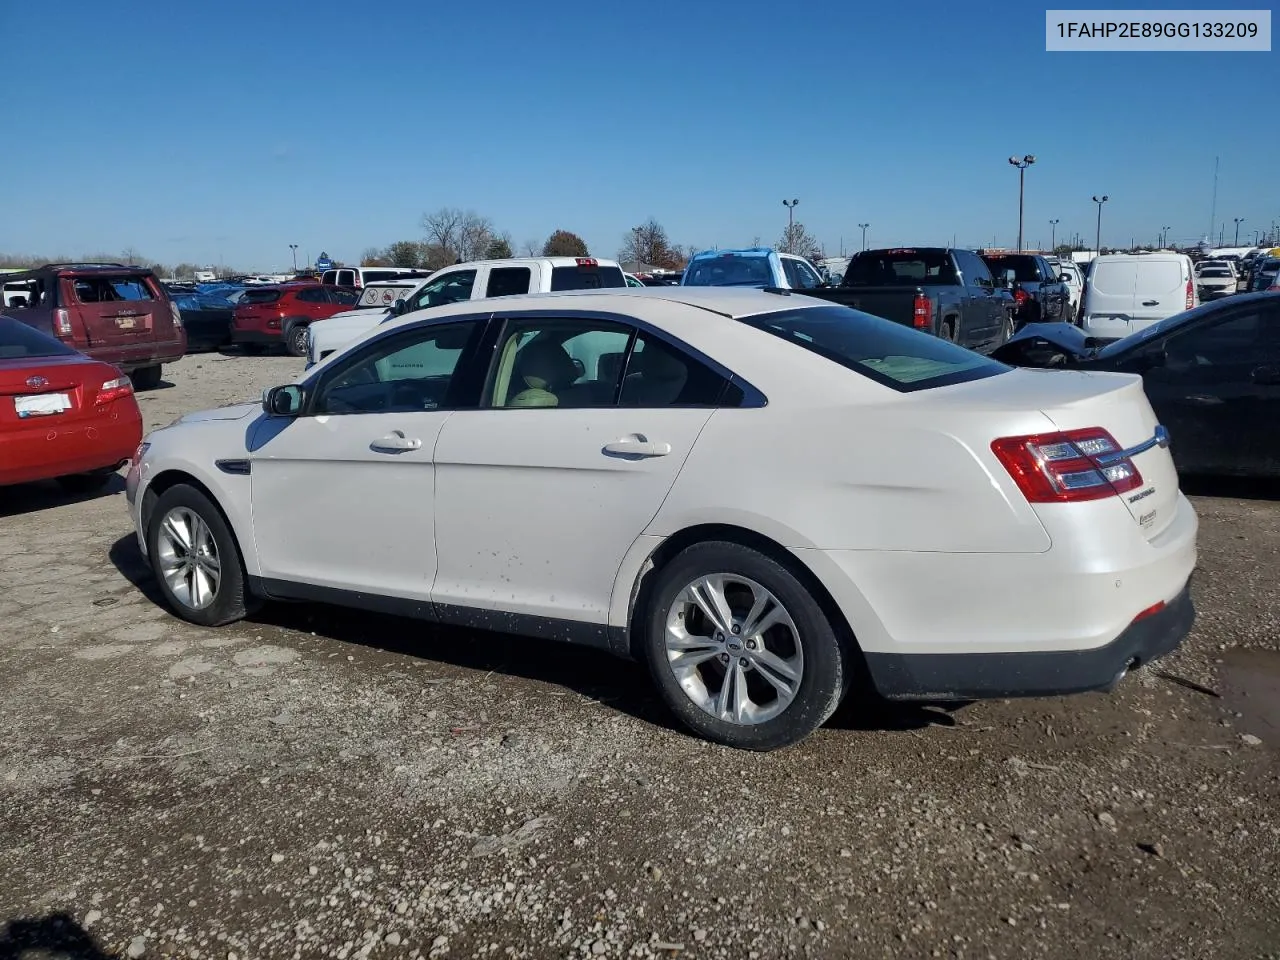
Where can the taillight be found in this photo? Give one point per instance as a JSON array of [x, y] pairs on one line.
[[922, 312], [62, 322], [177, 315], [1191, 295], [1066, 467], [1020, 296], [113, 390]]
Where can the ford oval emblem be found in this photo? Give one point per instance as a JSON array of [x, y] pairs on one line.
[[35, 383]]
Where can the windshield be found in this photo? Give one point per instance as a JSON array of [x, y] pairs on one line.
[[888, 268], [730, 270], [1218, 272], [18, 342], [888, 353]]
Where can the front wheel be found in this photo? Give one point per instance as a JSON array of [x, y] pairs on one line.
[[741, 651], [195, 558], [145, 378]]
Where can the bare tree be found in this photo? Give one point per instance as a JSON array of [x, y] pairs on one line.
[[463, 233], [130, 255], [648, 243], [796, 239], [756, 241], [531, 248]]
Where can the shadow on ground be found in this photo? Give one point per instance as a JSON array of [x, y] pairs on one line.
[[1231, 488], [54, 937], [620, 684], [47, 494]]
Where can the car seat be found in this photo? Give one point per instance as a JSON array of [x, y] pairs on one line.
[[541, 369]]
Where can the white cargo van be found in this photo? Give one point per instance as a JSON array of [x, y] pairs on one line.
[[1127, 292]]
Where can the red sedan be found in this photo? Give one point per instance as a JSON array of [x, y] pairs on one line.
[[63, 416]]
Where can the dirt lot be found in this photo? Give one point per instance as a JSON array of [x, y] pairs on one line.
[[320, 783]]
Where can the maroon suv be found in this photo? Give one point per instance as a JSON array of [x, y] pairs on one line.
[[280, 314], [117, 314]]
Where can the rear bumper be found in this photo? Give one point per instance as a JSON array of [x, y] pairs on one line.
[[978, 676], [48, 449], [145, 354]]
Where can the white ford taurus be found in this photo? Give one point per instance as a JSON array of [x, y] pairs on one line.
[[763, 496]]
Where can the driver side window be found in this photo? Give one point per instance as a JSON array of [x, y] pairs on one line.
[[416, 371], [450, 288]]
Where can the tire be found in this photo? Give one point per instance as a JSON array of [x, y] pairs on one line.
[[948, 330], [85, 482], [812, 650], [252, 349], [227, 602], [146, 378], [1006, 333], [295, 340]]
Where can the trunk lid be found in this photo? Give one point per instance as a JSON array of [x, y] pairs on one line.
[[119, 309], [34, 390]]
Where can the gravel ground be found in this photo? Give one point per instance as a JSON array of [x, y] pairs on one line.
[[319, 783]]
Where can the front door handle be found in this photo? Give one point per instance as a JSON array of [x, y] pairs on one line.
[[395, 442], [637, 445], [1267, 376], [1203, 400]]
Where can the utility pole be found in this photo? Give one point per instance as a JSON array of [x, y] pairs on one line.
[[864, 234], [1099, 200], [1022, 165], [791, 222]]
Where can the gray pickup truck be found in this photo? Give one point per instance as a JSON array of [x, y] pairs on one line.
[[949, 293]]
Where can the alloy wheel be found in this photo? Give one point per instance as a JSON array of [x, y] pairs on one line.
[[734, 649], [189, 560]]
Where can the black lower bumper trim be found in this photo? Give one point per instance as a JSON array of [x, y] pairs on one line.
[[256, 336], [985, 676]]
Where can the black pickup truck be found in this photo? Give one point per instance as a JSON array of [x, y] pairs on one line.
[[949, 293]]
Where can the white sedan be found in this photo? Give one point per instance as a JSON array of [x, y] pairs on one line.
[[763, 496]]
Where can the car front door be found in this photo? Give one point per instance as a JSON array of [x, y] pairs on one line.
[[1216, 386], [343, 494], [541, 491]]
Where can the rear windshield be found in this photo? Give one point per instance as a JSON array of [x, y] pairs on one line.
[[1219, 272], [110, 289], [586, 278], [886, 352], [891, 268], [1024, 268], [730, 271], [260, 296], [373, 276], [18, 341]]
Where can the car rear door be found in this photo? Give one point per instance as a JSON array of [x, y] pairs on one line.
[[1112, 285], [1160, 290]]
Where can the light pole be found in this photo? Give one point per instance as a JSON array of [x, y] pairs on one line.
[[293, 247], [864, 234], [1022, 165], [1164, 236], [1239, 220], [1053, 234], [1097, 243], [791, 222]]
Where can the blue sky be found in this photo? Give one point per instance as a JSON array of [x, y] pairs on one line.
[[196, 132]]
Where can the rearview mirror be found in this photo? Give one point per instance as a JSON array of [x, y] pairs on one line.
[[283, 401]]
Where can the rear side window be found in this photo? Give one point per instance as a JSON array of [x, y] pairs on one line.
[[260, 296], [18, 341], [729, 270], [889, 268], [508, 281], [586, 278], [110, 289], [347, 298], [886, 352], [1025, 269]]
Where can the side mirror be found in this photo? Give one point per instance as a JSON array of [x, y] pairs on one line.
[[1062, 277], [284, 401], [400, 307]]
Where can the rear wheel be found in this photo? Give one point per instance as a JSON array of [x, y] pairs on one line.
[[146, 378], [741, 651], [295, 340], [948, 330], [195, 558]]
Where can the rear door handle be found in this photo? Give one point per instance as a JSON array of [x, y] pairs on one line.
[[396, 442], [637, 445], [1203, 400], [1151, 303]]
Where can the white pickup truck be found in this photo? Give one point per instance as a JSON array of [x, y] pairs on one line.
[[477, 280]]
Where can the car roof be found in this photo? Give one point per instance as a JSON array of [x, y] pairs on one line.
[[730, 302]]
